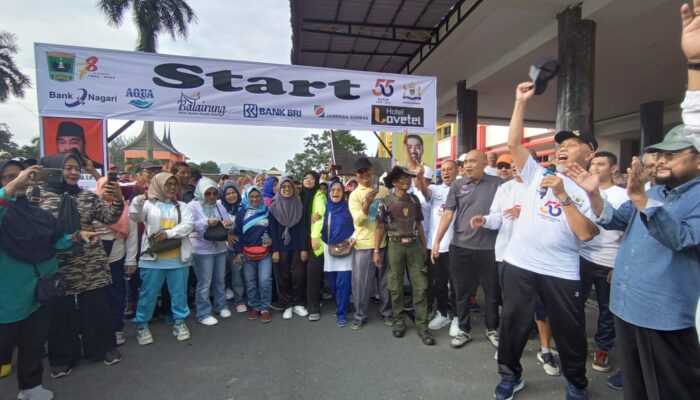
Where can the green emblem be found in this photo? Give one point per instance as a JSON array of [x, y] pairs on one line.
[[61, 66]]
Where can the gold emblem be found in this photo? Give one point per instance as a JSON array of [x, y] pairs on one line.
[[405, 212]]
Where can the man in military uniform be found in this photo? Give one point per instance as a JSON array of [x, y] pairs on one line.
[[399, 215]]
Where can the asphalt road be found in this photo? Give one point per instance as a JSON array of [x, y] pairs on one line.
[[298, 359]]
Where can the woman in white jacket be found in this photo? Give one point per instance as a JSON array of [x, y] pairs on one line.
[[165, 218]]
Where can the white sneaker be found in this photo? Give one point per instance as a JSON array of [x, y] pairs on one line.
[[300, 311], [287, 313], [454, 327], [439, 321], [229, 294], [492, 336], [209, 321], [35, 393], [241, 308], [225, 313]]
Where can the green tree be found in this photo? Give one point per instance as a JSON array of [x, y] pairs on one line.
[[206, 167], [152, 18], [29, 150], [317, 151], [12, 81], [6, 142]]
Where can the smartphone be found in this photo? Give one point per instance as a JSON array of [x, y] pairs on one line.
[[112, 176], [79, 156], [375, 182], [49, 175]]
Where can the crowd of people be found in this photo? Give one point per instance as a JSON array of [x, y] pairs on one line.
[[74, 264]]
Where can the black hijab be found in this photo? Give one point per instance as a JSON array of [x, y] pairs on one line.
[[6, 163], [58, 161], [307, 197], [232, 208]]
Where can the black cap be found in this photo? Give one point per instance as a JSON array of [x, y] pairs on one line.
[[585, 137], [149, 165], [395, 173], [542, 71], [68, 128], [223, 176], [362, 162]]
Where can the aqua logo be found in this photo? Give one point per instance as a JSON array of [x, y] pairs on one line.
[[140, 97]]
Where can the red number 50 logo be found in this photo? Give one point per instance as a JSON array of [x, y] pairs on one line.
[[384, 86]]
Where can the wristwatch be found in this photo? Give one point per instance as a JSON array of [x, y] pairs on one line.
[[567, 201]]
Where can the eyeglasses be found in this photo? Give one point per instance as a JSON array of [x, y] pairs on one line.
[[9, 177], [670, 155], [170, 184]]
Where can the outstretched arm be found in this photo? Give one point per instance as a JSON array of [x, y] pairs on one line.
[[523, 93]]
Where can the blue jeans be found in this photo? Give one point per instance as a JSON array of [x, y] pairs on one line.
[[151, 283], [237, 280], [258, 282], [210, 270]]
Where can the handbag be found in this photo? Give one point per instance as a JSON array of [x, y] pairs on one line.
[[255, 253], [218, 232], [49, 288], [342, 249], [161, 246]]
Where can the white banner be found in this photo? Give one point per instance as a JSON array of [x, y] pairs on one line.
[[97, 83]]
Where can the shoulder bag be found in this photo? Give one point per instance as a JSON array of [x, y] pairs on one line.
[[218, 232], [157, 247], [342, 249]]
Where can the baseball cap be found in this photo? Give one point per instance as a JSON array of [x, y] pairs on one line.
[[362, 162], [427, 172], [585, 137], [150, 165], [462, 157], [504, 159], [674, 140], [542, 71]]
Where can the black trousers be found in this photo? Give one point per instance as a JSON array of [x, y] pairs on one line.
[[29, 335], [291, 275], [467, 269], [658, 364], [439, 277], [594, 274], [314, 282], [562, 299], [87, 316]]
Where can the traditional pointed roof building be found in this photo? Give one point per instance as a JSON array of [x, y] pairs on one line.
[[345, 159], [163, 150]]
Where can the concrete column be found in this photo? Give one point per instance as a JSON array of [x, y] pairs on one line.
[[576, 80], [466, 118], [651, 117]]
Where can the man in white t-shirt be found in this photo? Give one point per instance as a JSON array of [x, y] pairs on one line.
[[439, 267], [542, 257], [491, 168], [598, 259]]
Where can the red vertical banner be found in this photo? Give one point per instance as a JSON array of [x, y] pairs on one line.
[[89, 136]]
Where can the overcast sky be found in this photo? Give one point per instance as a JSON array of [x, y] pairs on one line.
[[257, 30]]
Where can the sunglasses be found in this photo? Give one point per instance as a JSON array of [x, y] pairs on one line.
[[503, 166]]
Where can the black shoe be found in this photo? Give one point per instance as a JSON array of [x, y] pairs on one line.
[[376, 299], [58, 372], [427, 338], [112, 357], [399, 330]]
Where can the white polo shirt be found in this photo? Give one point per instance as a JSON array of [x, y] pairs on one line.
[[542, 241], [602, 250], [509, 195], [437, 207]]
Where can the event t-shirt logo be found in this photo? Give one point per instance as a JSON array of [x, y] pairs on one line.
[[61, 66], [551, 208], [383, 87], [89, 65], [140, 97]]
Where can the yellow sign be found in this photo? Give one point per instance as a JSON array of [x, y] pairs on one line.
[[420, 147]]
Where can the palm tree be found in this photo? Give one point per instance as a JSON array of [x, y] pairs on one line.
[[11, 79], [152, 17]]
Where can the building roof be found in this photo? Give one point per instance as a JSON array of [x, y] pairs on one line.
[[164, 144], [365, 35], [345, 159]]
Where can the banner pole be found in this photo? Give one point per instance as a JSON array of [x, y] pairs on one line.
[[391, 155]]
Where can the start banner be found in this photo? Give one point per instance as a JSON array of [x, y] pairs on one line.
[[98, 83]]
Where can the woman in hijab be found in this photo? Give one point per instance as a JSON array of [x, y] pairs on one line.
[[23, 321], [120, 242], [84, 331], [253, 251], [209, 256], [289, 249], [169, 221], [338, 229], [314, 205], [259, 181], [270, 190], [230, 197]]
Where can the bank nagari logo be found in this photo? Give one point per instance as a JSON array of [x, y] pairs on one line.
[[397, 116], [140, 97], [551, 208], [411, 91], [194, 105], [81, 97], [89, 65], [319, 110], [383, 87], [61, 66]]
